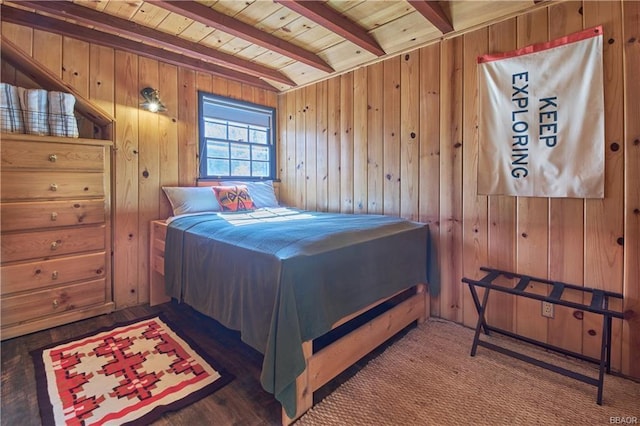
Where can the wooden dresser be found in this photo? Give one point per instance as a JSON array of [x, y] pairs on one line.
[[55, 231]]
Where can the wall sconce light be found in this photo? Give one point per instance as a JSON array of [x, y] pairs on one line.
[[152, 100]]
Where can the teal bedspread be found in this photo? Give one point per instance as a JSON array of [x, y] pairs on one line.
[[283, 276]]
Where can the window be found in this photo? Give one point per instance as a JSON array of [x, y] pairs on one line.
[[236, 139]]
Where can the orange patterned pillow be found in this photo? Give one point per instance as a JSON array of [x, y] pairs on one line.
[[233, 198]]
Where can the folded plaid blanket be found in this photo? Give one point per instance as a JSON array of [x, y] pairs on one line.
[[10, 113], [62, 122], [34, 109]]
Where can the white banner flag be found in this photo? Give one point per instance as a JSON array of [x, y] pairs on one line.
[[542, 119]]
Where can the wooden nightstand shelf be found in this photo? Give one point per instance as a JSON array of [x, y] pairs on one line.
[[599, 304]]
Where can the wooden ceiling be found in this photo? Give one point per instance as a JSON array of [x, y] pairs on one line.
[[273, 44]]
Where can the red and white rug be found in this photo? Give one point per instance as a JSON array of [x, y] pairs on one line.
[[129, 374]]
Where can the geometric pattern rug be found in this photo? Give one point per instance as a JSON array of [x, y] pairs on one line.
[[130, 373]]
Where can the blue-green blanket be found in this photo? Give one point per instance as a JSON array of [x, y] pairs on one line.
[[283, 276]]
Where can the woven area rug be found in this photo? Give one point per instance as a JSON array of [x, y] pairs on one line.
[[429, 378], [128, 374]]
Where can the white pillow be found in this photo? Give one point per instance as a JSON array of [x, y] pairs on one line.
[[261, 192], [191, 199]]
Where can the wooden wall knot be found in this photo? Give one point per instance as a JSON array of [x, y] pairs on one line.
[[579, 315]]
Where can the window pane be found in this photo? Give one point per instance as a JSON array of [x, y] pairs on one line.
[[217, 149], [260, 152], [240, 151], [216, 167], [240, 168], [215, 130], [258, 136], [236, 139], [238, 133], [260, 169]]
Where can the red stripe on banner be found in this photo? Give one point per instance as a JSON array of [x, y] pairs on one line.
[[538, 47]]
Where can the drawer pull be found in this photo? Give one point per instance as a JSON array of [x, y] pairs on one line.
[[55, 303], [53, 158], [53, 187], [54, 275], [54, 245], [54, 216]]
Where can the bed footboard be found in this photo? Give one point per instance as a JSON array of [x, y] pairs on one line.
[[333, 359]]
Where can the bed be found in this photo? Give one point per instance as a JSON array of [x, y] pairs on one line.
[[284, 277]]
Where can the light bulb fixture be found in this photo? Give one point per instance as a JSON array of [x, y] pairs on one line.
[[152, 100]]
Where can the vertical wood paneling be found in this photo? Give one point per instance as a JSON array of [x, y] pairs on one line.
[[450, 235], [582, 245], [409, 134], [101, 77], [148, 172], [566, 217], [290, 189], [360, 141], [429, 200], [234, 89], [532, 213], [23, 38], [220, 86], [346, 143], [474, 207], [502, 209], [333, 144], [125, 224], [391, 148], [429, 167], [47, 49], [310, 123], [75, 72], [375, 129], [630, 335], [322, 155], [168, 136], [187, 128], [101, 93], [604, 219], [281, 147], [300, 151]]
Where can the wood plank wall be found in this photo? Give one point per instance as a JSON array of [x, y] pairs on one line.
[[397, 137], [400, 137], [151, 150]]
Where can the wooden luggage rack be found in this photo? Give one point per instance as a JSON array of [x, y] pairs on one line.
[[599, 305]]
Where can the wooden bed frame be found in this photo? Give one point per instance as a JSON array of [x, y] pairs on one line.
[[331, 360]]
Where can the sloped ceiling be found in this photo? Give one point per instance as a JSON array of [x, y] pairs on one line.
[[277, 45]]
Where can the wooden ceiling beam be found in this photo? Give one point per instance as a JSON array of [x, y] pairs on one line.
[[434, 14], [106, 22], [205, 15], [325, 16], [46, 23]]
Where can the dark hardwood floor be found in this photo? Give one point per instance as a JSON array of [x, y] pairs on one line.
[[242, 402]]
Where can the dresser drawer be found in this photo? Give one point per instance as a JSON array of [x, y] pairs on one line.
[[40, 274], [51, 156], [37, 304], [57, 242], [45, 214], [21, 185]]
